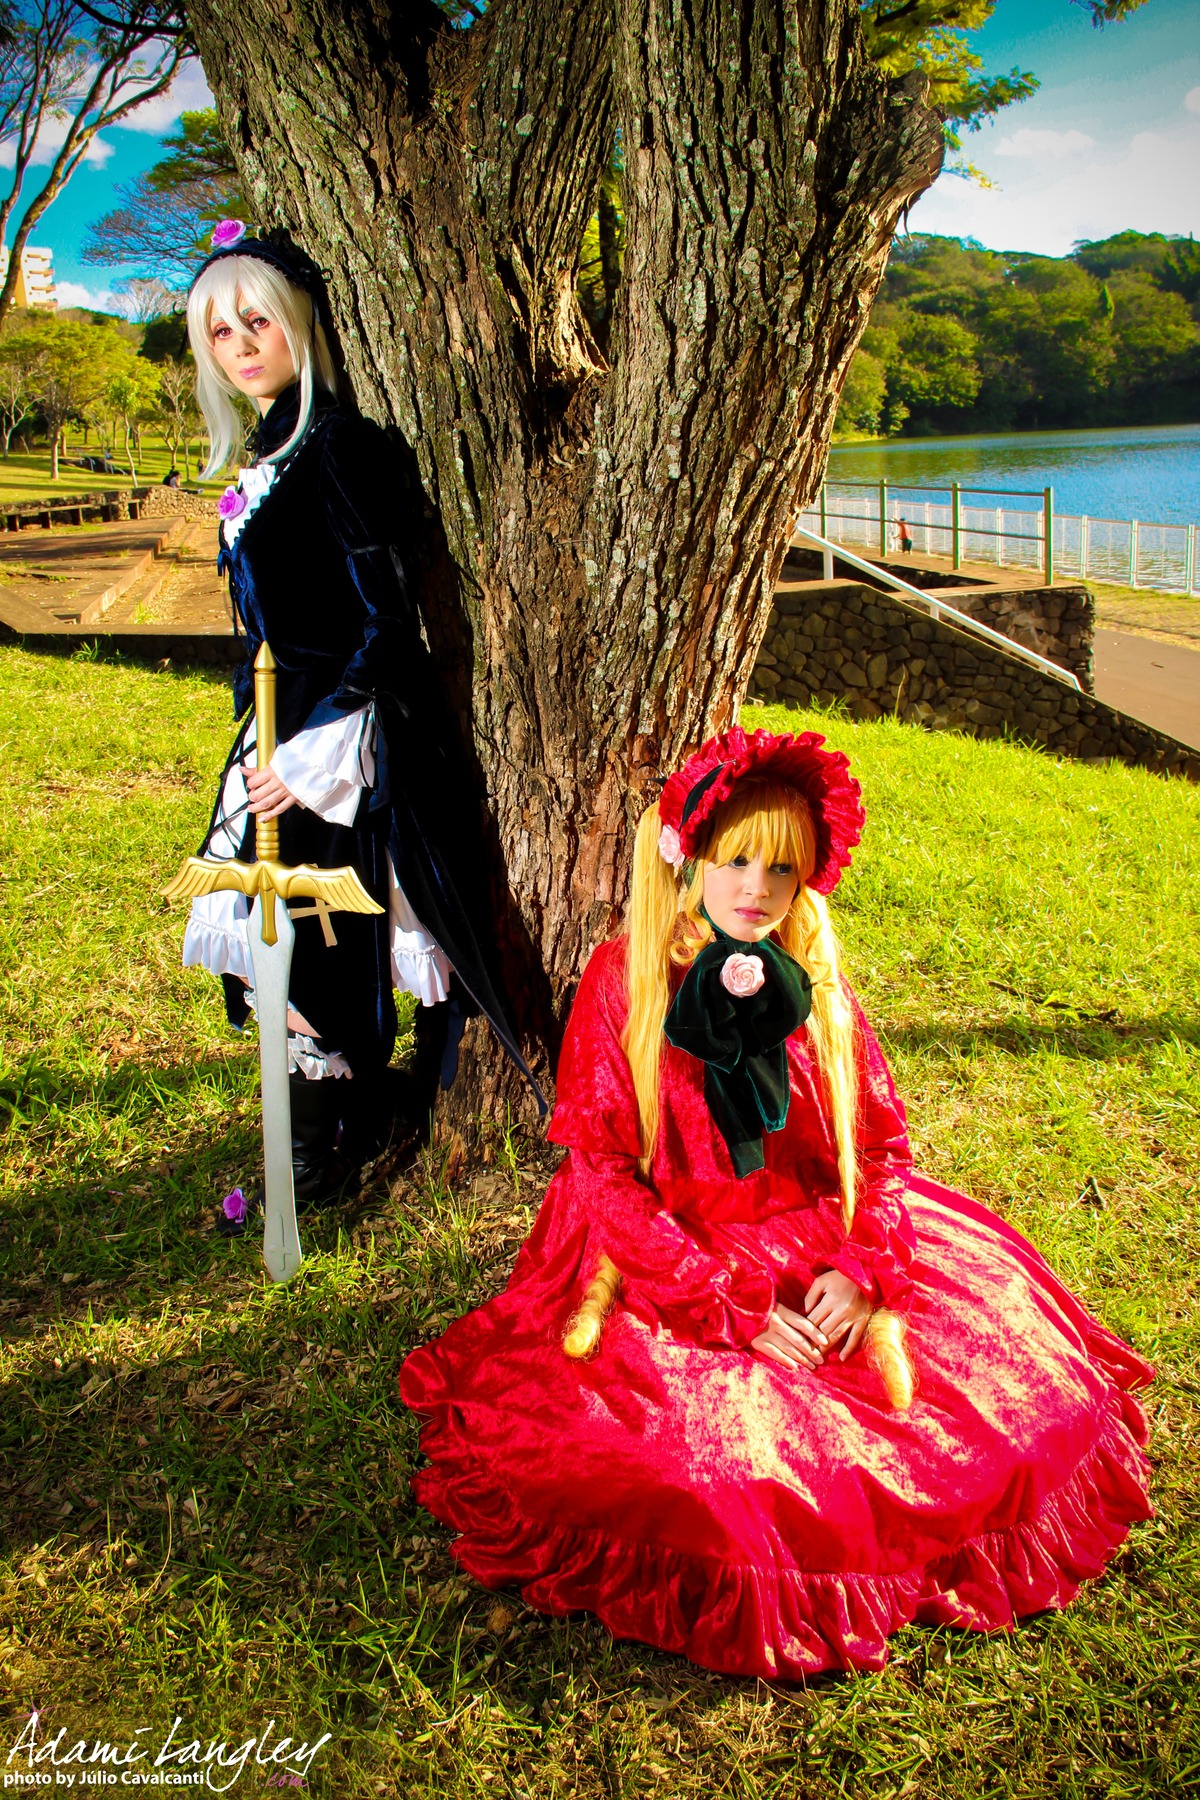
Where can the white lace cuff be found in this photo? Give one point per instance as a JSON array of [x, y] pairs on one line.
[[419, 964], [327, 766]]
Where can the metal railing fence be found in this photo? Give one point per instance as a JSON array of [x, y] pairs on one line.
[[1129, 552]]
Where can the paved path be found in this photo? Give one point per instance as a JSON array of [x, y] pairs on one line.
[[132, 574], [1155, 682]]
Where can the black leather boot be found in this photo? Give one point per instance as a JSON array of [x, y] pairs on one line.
[[318, 1171], [410, 1093]]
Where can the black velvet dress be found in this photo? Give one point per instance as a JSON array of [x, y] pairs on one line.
[[315, 571]]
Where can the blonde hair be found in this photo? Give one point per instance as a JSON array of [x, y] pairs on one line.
[[665, 926], [228, 288]]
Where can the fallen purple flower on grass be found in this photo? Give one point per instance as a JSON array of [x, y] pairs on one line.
[[235, 1206]]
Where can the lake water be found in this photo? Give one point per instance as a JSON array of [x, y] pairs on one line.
[[1149, 472]]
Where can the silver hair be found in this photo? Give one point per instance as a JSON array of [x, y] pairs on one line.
[[229, 287]]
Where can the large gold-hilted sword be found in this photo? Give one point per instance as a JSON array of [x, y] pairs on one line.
[[271, 936]]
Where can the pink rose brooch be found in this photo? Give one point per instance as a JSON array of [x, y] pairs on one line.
[[231, 503], [742, 976]]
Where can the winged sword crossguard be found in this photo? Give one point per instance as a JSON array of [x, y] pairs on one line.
[[271, 936]]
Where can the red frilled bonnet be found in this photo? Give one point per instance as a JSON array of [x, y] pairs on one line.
[[822, 776]]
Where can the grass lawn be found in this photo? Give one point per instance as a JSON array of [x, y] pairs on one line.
[[205, 1478], [1175, 617], [25, 477]]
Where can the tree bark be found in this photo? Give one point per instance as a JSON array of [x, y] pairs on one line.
[[595, 542]]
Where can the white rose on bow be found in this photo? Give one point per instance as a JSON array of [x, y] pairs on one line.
[[669, 847], [742, 976]]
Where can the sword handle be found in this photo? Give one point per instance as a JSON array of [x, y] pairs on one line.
[[266, 831]]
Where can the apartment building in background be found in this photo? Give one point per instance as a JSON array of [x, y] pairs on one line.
[[35, 283]]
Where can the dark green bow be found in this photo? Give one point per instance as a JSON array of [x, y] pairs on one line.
[[741, 1040]]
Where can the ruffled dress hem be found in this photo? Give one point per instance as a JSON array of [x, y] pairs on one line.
[[787, 1623]]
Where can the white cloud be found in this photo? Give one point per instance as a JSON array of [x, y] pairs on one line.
[[1028, 144], [1145, 183], [74, 293], [1192, 99], [189, 92], [50, 142]]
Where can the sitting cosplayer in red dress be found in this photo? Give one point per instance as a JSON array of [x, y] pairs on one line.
[[692, 1412]]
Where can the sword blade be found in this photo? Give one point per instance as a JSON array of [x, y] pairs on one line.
[[272, 965]]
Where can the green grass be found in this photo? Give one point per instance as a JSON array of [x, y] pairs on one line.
[[25, 476], [205, 1478], [1172, 616]]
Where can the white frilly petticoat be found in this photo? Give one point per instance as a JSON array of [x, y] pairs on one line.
[[326, 767]]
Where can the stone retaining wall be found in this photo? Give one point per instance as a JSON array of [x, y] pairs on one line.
[[107, 505], [877, 653], [1057, 622], [165, 502]]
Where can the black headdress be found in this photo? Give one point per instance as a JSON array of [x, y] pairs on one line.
[[294, 264]]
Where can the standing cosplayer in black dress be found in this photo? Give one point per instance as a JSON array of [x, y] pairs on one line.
[[367, 771]]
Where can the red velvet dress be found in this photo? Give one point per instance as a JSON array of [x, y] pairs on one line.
[[699, 1497]]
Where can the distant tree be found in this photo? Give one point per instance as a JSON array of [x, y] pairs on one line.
[[936, 368], [60, 68], [864, 396], [1144, 250], [19, 358], [67, 376], [165, 218], [143, 299], [177, 413], [1180, 272], [131, 389], [70, 362], [1157, 344], [166, 339]]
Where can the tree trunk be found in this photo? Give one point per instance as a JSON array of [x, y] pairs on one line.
[[596, 543], [55, 433]]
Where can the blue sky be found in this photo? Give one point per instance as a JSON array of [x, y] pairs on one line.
[[1111, 141]]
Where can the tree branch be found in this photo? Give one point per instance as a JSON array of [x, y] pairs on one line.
[[541, 125]]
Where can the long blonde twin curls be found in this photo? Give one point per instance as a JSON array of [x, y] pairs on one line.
[[665, 927]]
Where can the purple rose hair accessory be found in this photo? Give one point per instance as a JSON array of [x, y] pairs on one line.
[[235, 1207], [742, 976], [231, 503], [228, 233]]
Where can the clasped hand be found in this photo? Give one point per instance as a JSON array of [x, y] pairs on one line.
[[836, 1311], [268, 796]]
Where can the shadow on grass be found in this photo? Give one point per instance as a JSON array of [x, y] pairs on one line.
[[96, 647], [1089, 1040]]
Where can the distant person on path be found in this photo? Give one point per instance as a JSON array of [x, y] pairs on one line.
[[732, 1465], [367, 772], [906, 542]]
